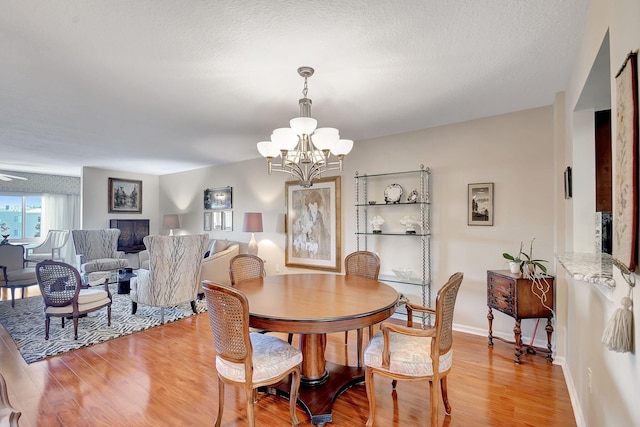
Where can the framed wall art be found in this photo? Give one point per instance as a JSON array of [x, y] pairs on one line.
[[568, 185], [207, 221], [313, 225], [480, 204], [227, 220], [125, 196], [625, 202], [218, 198], [217, 220]]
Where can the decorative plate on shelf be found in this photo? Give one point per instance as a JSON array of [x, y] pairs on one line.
[[413, 196], [392, 193]]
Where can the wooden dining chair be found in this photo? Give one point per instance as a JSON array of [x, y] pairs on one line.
[[362, 264], [246, 267], [244, 359], [409, 354]]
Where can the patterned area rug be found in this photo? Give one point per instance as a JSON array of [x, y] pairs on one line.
[[25, 324]]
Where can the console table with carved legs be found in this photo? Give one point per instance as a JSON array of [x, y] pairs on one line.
[[521, 298]]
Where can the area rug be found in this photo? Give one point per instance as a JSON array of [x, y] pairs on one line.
[[25, 324]]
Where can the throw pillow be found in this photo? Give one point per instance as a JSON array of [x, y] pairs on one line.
[[220, 245]]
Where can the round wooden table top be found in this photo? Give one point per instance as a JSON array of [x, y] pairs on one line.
[[317, 303]]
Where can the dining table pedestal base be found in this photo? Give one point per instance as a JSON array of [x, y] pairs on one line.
[[317, 400]]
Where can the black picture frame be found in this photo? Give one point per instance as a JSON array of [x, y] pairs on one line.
[[568, 183], [480, 204], [125, 195], [218, 198]]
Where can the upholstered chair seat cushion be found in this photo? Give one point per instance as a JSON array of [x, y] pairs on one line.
[[87, 300], [409, 355], [21, 276], [271, 357], [105, 264]]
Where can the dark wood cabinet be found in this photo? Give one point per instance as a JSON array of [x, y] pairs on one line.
[[521, 298]]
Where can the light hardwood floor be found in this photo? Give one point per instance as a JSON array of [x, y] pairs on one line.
[[166, 377]]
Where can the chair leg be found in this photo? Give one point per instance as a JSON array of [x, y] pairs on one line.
[[293, 396], [109, 315], [13, 297], [193, 307], [47, 322], [251, 416], [371, 396], [162, 315], [433, 395], [290, 338], [220, 401], [134, 307], [445, 397], [75, 327]]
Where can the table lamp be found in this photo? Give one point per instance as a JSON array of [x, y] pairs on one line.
[[171, 221], [253, 224]]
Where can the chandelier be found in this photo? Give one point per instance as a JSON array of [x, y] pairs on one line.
[[306, 152]]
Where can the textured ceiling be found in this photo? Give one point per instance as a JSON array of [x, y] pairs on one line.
[[186, 84]]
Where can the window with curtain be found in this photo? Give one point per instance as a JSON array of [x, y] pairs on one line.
[[21, 216]]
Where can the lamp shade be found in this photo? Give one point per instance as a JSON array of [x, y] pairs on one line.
[[171, 221], [252, 222]]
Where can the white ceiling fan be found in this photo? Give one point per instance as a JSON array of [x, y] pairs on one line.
[[5, 177]]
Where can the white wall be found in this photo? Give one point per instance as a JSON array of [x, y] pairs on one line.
[[95, 201], [612, 399], [95, 198], [515, 151]]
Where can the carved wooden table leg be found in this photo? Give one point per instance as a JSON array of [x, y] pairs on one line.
[[517, 331], [549, 329], [490, 317]]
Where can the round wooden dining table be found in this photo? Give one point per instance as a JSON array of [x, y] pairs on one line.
[[313, 305]]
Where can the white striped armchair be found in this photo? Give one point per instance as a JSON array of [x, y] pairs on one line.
[[173, 276]]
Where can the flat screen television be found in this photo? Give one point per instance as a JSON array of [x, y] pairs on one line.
[[132, 231]]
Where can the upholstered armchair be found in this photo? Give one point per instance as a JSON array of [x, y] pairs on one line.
[[13, 271], [50, 247], [173, 276], [97, 250]]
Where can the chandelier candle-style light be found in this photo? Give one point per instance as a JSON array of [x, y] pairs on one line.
[[306, 151]]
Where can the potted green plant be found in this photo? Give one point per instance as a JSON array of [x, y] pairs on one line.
[[515, 262], [530, 264], [524, 262], [4, 233]]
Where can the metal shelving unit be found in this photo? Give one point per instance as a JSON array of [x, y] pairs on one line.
[[367, 207]]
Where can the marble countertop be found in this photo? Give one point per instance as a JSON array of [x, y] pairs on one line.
[[589, 267]]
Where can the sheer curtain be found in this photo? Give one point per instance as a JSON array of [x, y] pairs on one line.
[[61, 212]]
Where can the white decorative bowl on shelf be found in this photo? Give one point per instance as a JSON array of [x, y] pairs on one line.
[[403, 273]]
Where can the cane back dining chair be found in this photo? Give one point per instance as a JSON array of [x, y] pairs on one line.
[[410, 354], [362, 264], [246, 267], [244, 359], [65, 296], [14, 272]]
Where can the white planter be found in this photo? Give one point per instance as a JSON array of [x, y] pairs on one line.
[[514, 267]]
